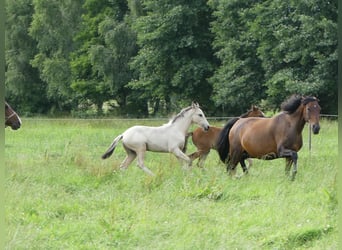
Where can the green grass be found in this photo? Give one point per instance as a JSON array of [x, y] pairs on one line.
[[60, 194]]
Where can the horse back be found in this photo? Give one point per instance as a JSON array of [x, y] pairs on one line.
[[254, 135]]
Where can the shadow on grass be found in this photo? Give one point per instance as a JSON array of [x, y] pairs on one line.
[[300, 239]]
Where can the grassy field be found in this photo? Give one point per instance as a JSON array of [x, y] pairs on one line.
[[60, 194]]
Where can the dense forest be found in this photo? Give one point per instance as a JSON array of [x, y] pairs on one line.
[[139, 58]]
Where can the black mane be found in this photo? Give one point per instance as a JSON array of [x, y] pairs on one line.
[[292, 104]]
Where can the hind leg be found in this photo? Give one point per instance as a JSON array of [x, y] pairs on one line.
[[141, 164], [288, 166], [131, 155], [235, 156], [194, 156], [242, 162], [202, 159]]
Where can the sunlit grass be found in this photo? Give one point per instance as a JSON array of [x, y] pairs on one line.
[[60, 194]]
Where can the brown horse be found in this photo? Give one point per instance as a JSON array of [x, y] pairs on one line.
[[12, 119], [269, 138], [206, 140]]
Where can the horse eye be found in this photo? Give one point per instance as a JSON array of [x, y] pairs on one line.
[[200, 115]]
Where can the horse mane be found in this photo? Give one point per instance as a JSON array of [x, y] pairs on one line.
[[180, 114], [292, 104]]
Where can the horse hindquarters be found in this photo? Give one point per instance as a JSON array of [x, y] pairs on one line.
[[222, 144], [111, 148]]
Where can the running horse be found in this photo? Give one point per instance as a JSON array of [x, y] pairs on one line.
[[12, 119], [169, 137], [207, 140], [270, 138]]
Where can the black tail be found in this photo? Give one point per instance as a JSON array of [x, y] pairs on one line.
[[111, 148], [222, 144]]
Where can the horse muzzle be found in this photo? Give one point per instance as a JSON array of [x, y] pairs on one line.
[[14, 126], [315, 128], [206, 127]]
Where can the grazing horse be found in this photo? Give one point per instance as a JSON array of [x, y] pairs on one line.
[[269, 138], [206, 140], [169, 137], [12, 119]]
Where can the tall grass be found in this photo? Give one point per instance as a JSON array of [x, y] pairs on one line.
[[60, 194]]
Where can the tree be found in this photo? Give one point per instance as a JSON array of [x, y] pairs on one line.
[[24, 88], [53, 27], [100, 68], [238, 81], [175, 57], [298, 49]]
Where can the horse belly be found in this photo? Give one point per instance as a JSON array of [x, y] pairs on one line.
[[143, 138], [259, 146]]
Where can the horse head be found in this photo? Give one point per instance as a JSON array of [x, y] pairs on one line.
[[255, 112], [198, 116], [311, 112], [11, 117]]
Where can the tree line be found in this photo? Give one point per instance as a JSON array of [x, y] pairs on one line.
[[150, 57]]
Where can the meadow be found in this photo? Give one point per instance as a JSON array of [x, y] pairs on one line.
[[60, 194]]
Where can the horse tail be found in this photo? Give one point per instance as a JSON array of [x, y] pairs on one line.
[[186, 141], [222, 143], [112, 146]]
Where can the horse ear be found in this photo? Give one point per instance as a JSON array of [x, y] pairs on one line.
[[195, 105], [254, 107]]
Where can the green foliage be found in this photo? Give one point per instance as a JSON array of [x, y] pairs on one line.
[[53, 27], [61, 194], [238, 81], [175, 58], [297, 40], [24, 88], [150, 57], [100, 69], [272, 49]]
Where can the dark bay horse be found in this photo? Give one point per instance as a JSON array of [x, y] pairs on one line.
[[12, 119], [270, 138], [206, 140]]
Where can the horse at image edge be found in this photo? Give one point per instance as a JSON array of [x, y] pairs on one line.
[[270, 138]]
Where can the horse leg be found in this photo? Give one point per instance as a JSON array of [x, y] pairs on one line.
[[250, 162], [180, 155], [202, 158], [131, 155], [141, 164], [293, 156], [242, 162], [194, 156], [231, 168], [288, 165], [244, 167], [235, 156]]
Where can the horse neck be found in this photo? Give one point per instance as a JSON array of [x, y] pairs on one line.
[[298, 117], [183, 123]]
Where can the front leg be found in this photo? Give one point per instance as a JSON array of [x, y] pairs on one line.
[[180, 155], [292, 156]]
